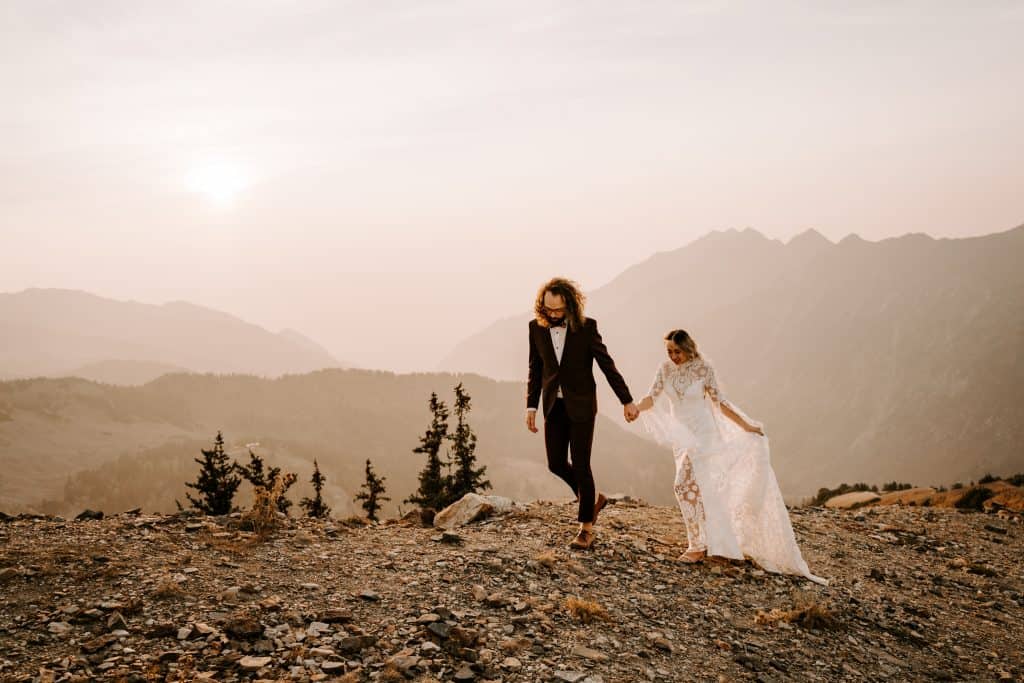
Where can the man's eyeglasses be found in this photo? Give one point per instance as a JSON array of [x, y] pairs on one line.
[[552, 311]]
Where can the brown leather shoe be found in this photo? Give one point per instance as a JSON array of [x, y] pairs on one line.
[[599, 505], [584, 539]]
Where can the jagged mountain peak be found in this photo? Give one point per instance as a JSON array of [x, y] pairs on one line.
[[747, 236]]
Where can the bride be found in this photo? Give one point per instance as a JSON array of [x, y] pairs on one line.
[[727, 492]]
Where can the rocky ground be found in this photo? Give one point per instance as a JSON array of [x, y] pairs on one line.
[[915, 594]]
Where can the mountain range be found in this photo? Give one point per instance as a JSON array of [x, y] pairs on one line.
[[897, 359], [868, 361]]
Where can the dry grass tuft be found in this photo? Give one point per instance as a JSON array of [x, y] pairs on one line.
[[262, 516], [168, 589], [982, 570], [186, 672], [48, 568], [514, 645], [586, 611], [238, 545], [807, 613], [548, 558], [391, 674], [576, 567], [523, 515]]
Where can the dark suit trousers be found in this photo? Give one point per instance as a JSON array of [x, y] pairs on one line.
[[562, 435]]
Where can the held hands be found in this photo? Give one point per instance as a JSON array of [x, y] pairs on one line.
[[629, 411]]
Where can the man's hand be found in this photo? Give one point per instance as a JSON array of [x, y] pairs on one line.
[[630, 412], [531, 420]]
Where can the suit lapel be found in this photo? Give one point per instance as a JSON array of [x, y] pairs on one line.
[[549, 345], [565, 344]]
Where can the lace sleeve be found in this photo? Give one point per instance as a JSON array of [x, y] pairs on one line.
[[711, 389], [658, 385]]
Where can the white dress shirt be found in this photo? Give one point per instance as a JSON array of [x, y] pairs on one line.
[[558, 340]]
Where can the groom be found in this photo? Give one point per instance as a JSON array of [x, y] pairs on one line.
[[563, 347]]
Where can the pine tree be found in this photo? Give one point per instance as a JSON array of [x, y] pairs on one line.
[[255, 475], [465, 477], [217, 481], [434, 483], [315, 506], [371, 496]]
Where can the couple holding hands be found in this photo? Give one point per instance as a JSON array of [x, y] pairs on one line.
[[725, 486]]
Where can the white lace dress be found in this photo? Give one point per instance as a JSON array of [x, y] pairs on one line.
[[726, 488]]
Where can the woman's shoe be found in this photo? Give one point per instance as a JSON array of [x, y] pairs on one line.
[[693, 556]]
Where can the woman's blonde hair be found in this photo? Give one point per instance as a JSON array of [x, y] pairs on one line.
[[570, 293], [683, 340]]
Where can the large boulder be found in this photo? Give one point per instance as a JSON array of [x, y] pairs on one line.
[[470, 508]]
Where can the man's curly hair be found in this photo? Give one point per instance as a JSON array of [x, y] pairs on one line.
[[574, 299]]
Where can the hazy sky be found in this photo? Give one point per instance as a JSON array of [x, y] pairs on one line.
[[388, 177]]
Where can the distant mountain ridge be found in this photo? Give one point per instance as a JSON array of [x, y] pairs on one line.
[[125, 372], [897, 359], [55, 332], [96, 445]]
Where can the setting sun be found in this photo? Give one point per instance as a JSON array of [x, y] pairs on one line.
[[219, 183]]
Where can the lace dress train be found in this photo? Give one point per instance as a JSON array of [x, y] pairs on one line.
[[728, 495]]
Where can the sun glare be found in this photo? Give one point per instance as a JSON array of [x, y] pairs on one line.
[[219, 183]]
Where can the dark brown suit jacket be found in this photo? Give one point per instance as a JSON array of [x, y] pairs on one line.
[[575, 374]]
